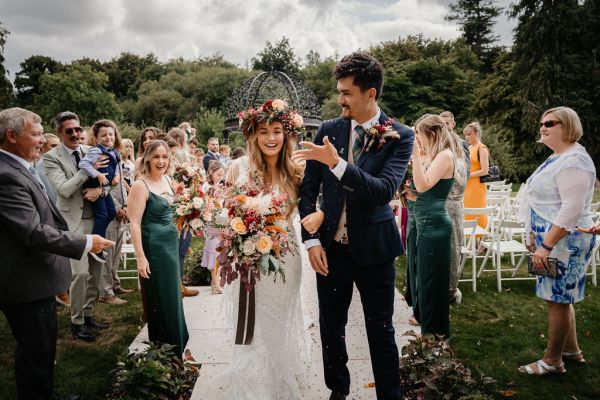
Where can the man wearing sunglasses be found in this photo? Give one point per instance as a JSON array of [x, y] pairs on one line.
[[74, 203]]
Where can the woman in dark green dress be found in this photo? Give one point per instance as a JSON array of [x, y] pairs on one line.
[[155, 240], [429, 251]]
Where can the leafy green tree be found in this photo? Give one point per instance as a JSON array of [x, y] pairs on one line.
[[27, 80], [476, 19], [6, 89], [556, 62], [318, 76], [277, 57], [124, 71], [181, 91], [208, 123], [79, 89], [424, 75]]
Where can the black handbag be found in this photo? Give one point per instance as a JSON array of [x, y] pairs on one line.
[[493, 174], [550, 271]]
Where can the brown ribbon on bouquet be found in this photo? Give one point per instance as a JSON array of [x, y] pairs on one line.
[[246, 316]]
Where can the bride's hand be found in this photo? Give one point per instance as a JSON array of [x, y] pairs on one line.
[[312, 222]]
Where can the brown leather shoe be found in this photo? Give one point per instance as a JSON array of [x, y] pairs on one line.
[[186, 292], [121, 290], [64, 299], [112, 300]]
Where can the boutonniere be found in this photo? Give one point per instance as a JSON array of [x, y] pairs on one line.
[[380, 134]]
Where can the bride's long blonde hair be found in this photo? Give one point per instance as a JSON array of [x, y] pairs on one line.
[[289, 172]]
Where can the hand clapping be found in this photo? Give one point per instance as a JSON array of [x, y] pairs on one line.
[[325, 154]]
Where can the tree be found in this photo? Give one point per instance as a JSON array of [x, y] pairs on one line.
[[27, 80], [183, 89], [556, 62], [124, 71], [476, 19], [6, 89], [79, 89], [318, 76], [277, 57], [424, 75]]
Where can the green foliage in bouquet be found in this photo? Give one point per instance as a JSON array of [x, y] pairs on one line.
[[429, 370], [157, 373]]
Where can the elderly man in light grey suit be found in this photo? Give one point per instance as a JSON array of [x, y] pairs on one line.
[[74, 204], [34, 244]]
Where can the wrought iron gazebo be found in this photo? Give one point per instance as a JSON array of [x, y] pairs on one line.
[[269, 85]]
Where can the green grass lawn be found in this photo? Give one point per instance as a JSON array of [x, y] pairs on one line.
[[496, 332]]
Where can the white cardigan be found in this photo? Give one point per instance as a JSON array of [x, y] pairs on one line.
[[561, 193]]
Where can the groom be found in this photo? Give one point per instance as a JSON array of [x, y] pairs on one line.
[[359, 238]]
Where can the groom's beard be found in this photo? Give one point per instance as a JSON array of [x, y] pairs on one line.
[[346, 114]]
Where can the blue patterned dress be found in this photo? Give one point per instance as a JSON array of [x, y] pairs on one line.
[[573, 251]]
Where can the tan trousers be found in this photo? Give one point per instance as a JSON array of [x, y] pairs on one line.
[[109, 280], [85, 281]]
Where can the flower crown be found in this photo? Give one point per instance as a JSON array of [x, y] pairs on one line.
[[272, 110]]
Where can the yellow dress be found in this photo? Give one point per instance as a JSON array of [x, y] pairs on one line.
[[475, 193]]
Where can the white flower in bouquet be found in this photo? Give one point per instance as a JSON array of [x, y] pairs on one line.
[[198, 202], [222, 216], [264, 244], [181, 210], [279, 104], [208, 216], [196, 224], [248, 247]]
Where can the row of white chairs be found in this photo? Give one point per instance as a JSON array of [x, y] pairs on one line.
[[503, 235]]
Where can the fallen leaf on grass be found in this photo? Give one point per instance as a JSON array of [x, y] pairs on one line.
[[588, 333], [369, 385], [507, 393]]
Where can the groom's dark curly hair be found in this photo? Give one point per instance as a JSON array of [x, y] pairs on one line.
[[367, 72]]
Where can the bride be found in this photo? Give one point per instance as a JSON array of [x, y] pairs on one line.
[[274, 364]]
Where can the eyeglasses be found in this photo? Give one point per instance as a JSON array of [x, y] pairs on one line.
[[69, 131], [550, 123]]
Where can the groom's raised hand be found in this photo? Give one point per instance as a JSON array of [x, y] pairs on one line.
[[318, 260], [326, 154]]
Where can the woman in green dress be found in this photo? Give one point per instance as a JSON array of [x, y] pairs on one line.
[[436, 161], [155, 240]]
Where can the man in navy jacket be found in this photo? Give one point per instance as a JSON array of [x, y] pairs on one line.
[[359, 160]]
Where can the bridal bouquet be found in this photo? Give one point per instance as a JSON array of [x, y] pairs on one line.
[[254, 235], [189, 173], [192, 208]]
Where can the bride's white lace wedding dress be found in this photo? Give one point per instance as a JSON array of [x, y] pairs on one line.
[[275, 364]]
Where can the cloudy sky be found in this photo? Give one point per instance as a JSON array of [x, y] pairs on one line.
[[67, 29]]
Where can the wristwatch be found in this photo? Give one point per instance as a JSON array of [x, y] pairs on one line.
[[545, 246]]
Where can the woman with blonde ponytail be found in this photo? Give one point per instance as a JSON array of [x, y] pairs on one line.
[[438, 161]]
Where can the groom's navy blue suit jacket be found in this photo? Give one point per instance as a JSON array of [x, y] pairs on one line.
[[368, 187]]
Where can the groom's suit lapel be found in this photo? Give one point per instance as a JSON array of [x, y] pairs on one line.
[[365, 155], [340, 138]]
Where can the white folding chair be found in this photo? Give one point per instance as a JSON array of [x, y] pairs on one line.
[[127, 254], [497, 183], [499, 201], [497, 247], [487, 211], [469, 251]]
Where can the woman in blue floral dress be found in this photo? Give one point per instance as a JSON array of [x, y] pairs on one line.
[[556, 200]]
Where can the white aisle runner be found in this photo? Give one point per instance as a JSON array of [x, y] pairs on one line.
[[211, 341]]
